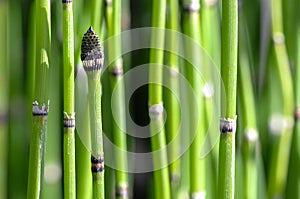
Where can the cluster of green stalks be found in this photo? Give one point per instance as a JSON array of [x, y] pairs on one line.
[[50, 149]]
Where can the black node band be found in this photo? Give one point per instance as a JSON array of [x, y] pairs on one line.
[[97, 164], [39, 110], [97, 160], [66, 1], [97, 169], [228, 125], [69, 122], [40, 114]]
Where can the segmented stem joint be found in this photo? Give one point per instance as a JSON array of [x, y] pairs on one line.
[[193, 6], [198, 195], [228, 125], [97, 164], [251, 135], [278, 38], [122, 190], [69, 120], [117, 70], [279, 123], [67, 1], [156, 111], [297, 114], [39, 111]]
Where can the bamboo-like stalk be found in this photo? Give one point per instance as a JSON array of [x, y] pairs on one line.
[[53, 180], [158, 139], [110, 172], [116, 77], [18, 142], [92, 57], [41, 100], [4, 99], [250, 134], [229, 77], [69, 115], [211, 42], [281, 150], [191, 27], [82, 14], [171, 104], [296, 191], [292, 31], [97, 13]]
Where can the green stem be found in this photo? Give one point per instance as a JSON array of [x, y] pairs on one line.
[[229, 77], [197, 166], [211, 42], [281, 150], [118, 103], [97, 9], [40, 107], [53, 179], [4, 99], [18, 142], [158, 142], [250, 135], [92, 57], [69, 118], [171, 104], [83, 161], [297, 113], [81, 10], [96, 130]]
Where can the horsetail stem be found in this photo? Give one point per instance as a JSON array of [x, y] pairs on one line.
[[158, 140], [92, 57], [279, 158], [191, 27], [172, 108], [41, 100], [69, 115], [116, 77], [229, 77], [250, 138]]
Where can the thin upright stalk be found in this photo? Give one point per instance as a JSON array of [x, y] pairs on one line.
[[97, 13], [4, 99], [211, 43], [82, 14], [191, 27], [171, 104], [157, 132], [41, 100], [281, 149], [110, 190], [297, 115], [92, 57], [69, 115], [53, 180], [229, 77], [17, 142], [118, 104], [250, 135]]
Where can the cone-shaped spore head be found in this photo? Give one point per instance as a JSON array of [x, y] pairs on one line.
[[92, 55]]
